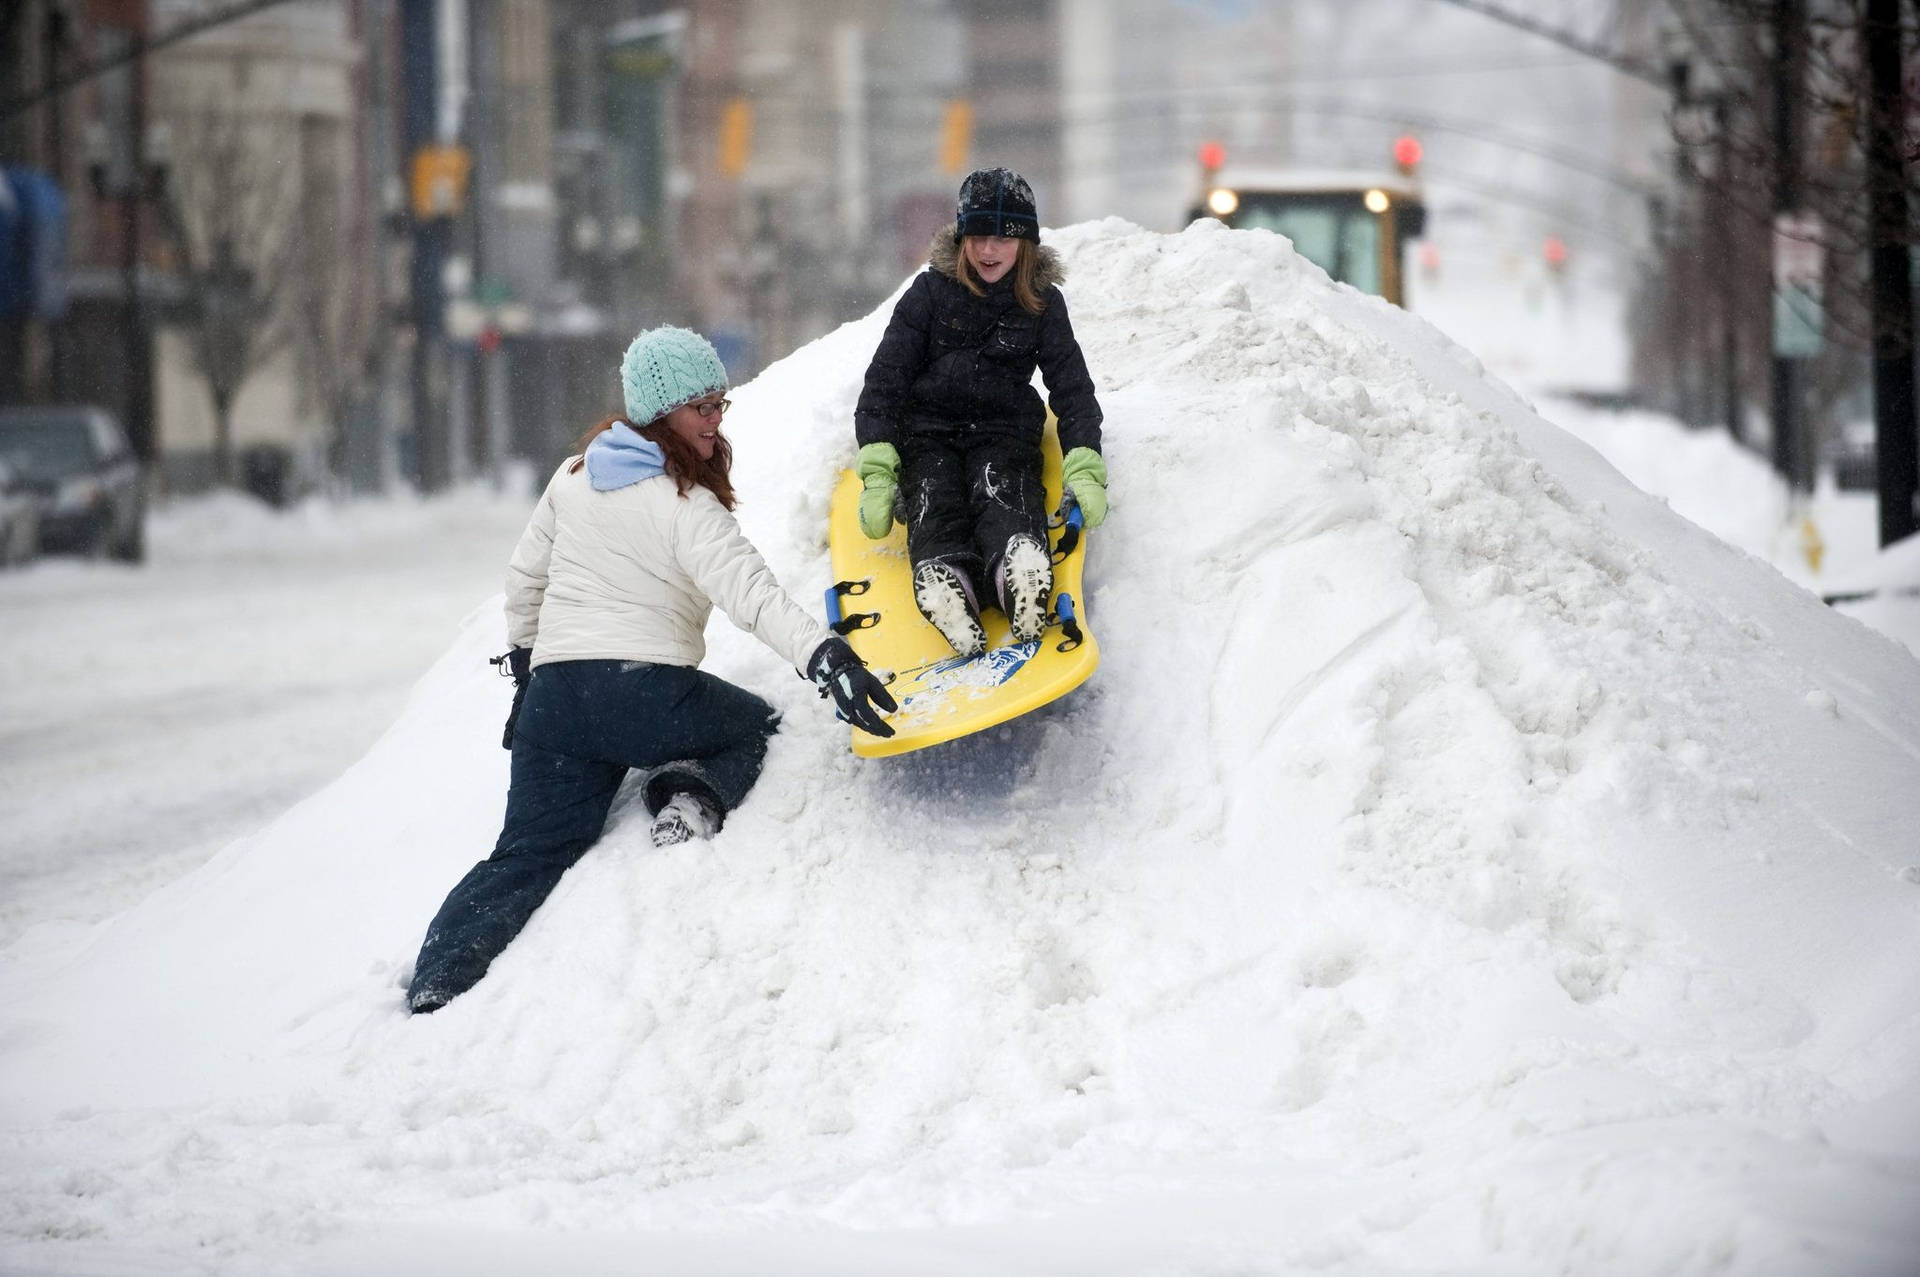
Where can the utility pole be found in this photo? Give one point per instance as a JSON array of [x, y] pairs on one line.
[[1728, 270], [1789, 72], [1682, 299], [119, 173], [368, 458], [1893, 402], [432, 235]]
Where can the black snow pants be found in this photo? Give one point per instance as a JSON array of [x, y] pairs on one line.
[[965, 496], [585, 724]]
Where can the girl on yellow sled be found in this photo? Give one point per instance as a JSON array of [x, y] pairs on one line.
[[950, 426]]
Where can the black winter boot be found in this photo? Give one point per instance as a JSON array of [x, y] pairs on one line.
[[1026, 585], [943, 597]]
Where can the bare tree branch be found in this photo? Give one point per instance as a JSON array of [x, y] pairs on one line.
[[229, 215], [1725, 209]]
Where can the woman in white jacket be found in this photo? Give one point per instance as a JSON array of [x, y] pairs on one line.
[[608, 594]]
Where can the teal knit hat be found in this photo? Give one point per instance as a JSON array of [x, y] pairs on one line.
[[666, 367]]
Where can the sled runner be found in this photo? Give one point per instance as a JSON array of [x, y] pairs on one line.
[[943, 696]]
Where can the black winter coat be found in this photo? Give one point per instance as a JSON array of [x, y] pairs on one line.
[[953, 363]]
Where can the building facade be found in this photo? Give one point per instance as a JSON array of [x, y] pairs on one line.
[[757, 169]]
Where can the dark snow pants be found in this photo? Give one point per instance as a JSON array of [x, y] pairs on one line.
[[966, 496], [583, 726]]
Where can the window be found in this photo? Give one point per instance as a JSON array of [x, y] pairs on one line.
[[1334, 232], [46, 447]]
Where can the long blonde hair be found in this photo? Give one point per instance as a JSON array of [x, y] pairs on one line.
[[684, 465], [1024, 260]]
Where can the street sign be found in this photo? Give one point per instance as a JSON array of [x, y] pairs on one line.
[[641, 67], [1799, 250], [1799, 269]]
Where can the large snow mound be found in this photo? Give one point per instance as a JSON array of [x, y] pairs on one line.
[[1459, 862]]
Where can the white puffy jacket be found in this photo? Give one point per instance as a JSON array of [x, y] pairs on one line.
[[633, 573]]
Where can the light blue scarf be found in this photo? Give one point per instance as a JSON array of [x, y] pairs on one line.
[[618, 456]]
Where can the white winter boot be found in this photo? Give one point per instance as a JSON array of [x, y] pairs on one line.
[[944, 599], [684, 817], [1026, 587]]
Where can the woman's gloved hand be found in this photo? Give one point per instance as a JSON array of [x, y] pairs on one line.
[[1083, 476], [838, 672], [879, 469], [519, 664]]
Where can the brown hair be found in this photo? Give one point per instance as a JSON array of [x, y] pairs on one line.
[[684, 465], [1024, 259]]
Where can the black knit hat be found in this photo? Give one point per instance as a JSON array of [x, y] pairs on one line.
[[997, 201]]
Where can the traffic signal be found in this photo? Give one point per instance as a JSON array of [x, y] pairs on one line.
[[1555, 251], [736, 136], [956, 137], [440, 181], [1212, 156], [1406, 154]]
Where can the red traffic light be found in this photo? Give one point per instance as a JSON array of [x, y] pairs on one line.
[[1556, 251], [1212, 155], [1406, 152]]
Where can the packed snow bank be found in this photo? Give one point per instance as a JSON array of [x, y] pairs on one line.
[[1827, 541], [1459, 862]]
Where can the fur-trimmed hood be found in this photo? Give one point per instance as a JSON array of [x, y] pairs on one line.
[[943, 254], [953, 366]]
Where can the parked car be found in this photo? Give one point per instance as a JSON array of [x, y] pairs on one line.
[[89, 483], [19, 519]]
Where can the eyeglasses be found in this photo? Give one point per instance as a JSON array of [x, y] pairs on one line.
[[711, 410]]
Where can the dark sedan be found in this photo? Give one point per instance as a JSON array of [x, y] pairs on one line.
[[90, 486]]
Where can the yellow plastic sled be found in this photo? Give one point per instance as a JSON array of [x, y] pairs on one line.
[[943, 697]]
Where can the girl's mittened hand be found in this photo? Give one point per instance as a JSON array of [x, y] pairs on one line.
[[1084, 474], [879, 470], [876, 507]]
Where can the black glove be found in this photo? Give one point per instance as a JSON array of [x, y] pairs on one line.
[[519, 663], [838, 672]]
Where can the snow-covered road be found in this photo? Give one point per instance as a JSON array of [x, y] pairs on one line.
[[151, 715]]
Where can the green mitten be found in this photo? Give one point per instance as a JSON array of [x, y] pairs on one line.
[[1084, 474], [879, 468]]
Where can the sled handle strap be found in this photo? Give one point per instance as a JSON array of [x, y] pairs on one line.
[[846, 624], [1069, 625], [1073, 521]]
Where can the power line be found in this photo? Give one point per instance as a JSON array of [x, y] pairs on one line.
[[1123, 107], [1118, 107], [1625, 63], [134, 51], [1490, 134], [1354, 72]]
